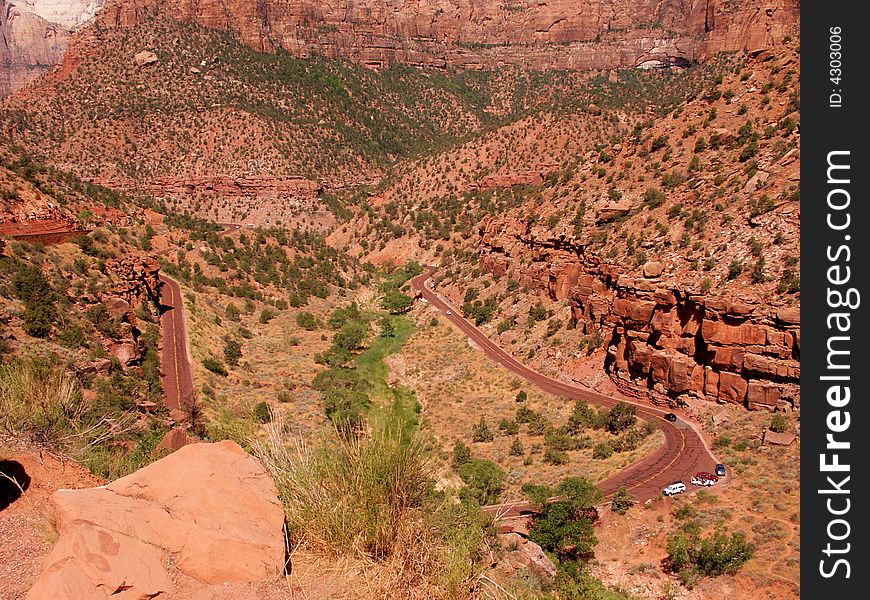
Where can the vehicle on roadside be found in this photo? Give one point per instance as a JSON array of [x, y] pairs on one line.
[[720, 470], [705, 479], [677, 487], [671, 417]]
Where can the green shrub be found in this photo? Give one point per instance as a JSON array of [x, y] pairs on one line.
[[481, 432], [622, 501], [690, 556], [556, 457], [602, 450], [525, 414], [582, 417], [734, 269], [484, 481], [654, 197], [396, 302], [517, 448], [461, 454], [509, 426], [778, 423], [560, 441], [621, 417], [232, 352], [521, 396], [564, 526], [262, 413], [539, 425], [215, 366], [659, 143], [307, 321], [538, 312]]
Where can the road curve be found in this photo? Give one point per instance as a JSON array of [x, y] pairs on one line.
[[177, 379], [683, 453]]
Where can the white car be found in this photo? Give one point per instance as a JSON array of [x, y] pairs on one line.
[[449, 312], [677, 487]]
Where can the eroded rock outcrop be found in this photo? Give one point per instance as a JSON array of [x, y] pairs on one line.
[[212, 508], [664, 339], [135, 283]]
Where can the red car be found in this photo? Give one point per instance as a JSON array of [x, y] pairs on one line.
[[704, 478]]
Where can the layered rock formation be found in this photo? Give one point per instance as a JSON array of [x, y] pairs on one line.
[[560, 34], [66, 13], [29, 45], [204, 516], [664, 339]]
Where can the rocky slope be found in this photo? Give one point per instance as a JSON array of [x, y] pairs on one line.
[[559, 34], [670, 255], [29, 45]]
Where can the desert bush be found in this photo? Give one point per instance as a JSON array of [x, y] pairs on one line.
[[481, 432], [622, 501], [602, 450], [556, 457], [484, 481], [778, 423], [232, 352], [307, 321], [461, 454], [690, 556], [215, 366], [262, 413]]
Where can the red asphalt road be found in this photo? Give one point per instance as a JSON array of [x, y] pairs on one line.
[[177, 379], [682, 455]]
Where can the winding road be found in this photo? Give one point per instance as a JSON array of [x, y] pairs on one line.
[[683, 454]]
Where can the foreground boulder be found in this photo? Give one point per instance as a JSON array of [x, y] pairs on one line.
[[209, 510]]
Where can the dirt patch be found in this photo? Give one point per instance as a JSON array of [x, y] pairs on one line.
[[26, 525]]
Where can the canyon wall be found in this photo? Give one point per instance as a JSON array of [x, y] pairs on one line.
[[475, 34], [29, 45], [664, 340], [66, 13], [558, 34]]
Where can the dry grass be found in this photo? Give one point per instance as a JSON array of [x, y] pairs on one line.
[[457, 383], [277, 364], [369, 499]]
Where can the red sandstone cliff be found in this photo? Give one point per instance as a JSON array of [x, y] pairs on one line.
[[663, 339], [29, 46], [486, 33]]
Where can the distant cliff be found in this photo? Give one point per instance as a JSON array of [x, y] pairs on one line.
[[473, 34], [557, 34], [29, 45]]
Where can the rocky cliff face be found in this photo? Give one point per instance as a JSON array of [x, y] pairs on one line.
[[66, 13], [663, 340], [29, 45], [559, 34]]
